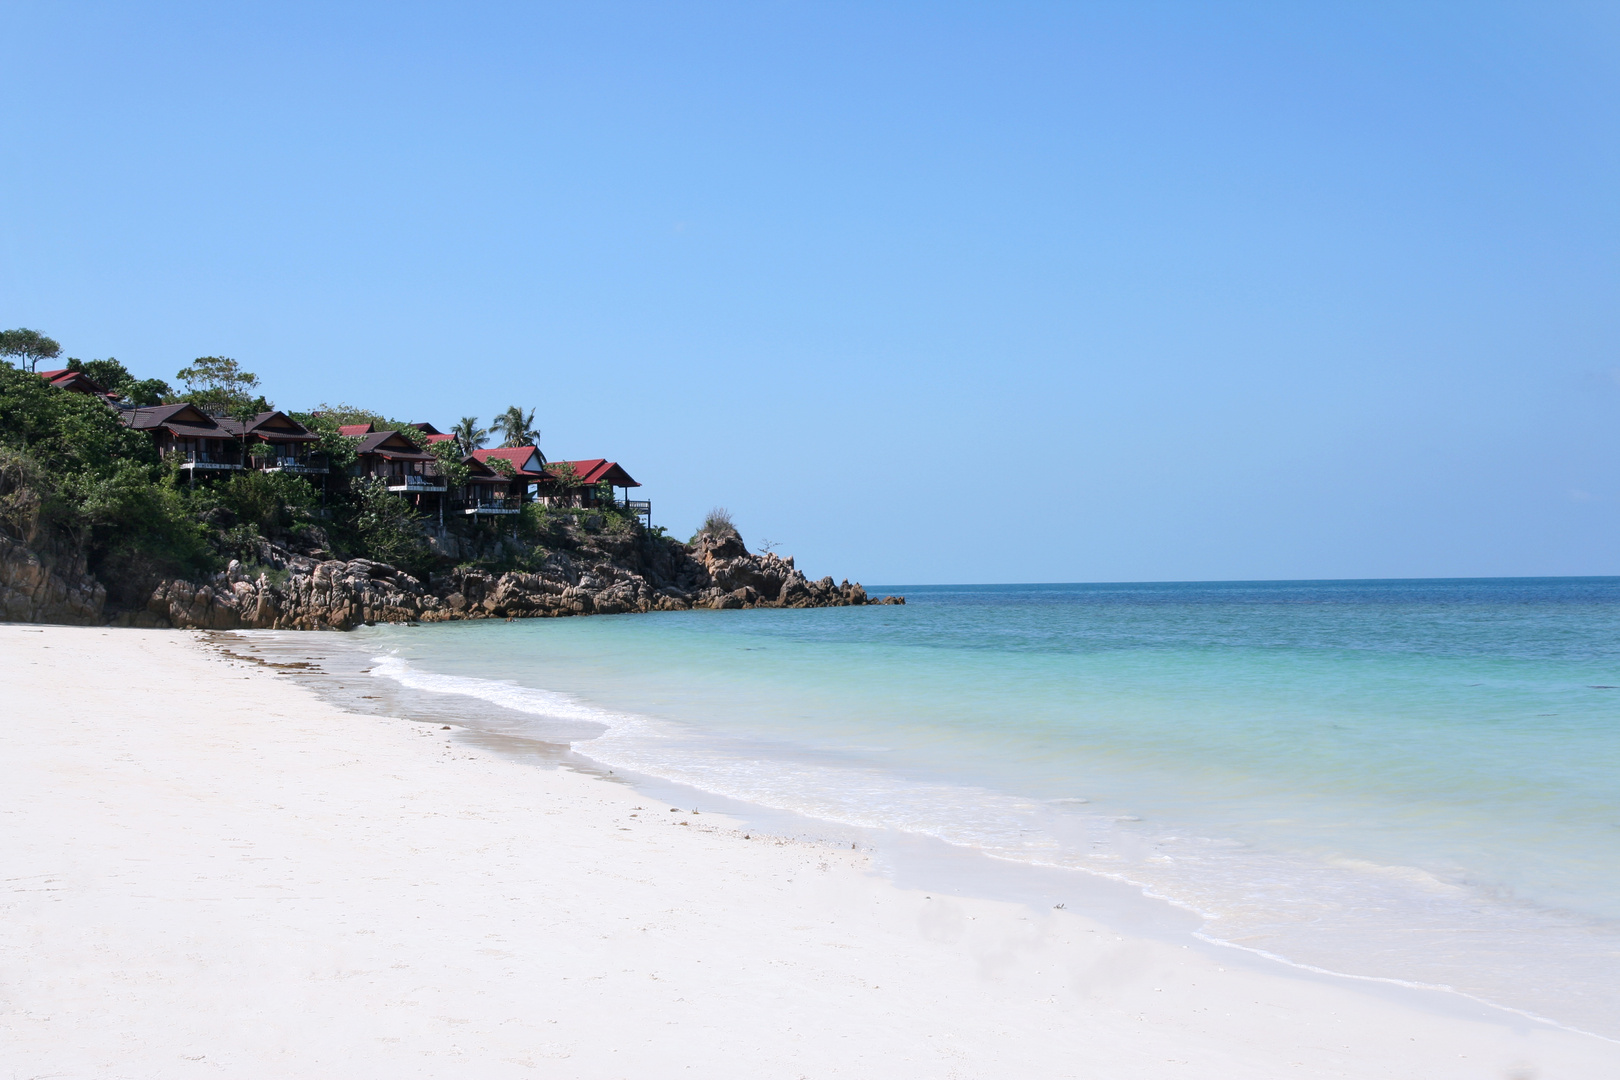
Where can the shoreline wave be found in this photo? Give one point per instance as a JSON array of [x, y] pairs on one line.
[[1001, 827]]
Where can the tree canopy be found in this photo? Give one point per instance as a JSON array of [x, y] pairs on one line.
[[28, 346], [219, 386], [470, 435], [110, 375], [517, 427]]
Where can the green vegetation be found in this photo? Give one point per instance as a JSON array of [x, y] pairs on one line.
[[220, 387], [470, 435], [80, 487], [109, 374], [28, 346], [450, 467], [517, 427], [85, 491], [383, 526]]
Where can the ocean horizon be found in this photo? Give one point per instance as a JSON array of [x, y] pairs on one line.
[[1414, 781]]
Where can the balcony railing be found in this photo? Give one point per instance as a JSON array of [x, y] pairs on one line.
[[411, 482], [195, 459], [492, 508], [288, 465]]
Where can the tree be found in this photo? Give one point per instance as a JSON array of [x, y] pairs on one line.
[[450, 467], [470, 435], [342, 414], [28, 346], [219, 386], [517, 427]]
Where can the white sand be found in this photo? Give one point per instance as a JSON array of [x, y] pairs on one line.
[[208, 872]]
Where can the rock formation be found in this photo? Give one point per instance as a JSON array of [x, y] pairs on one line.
[[33, 591], [601, 575]]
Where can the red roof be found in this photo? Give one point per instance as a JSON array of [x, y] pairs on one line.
[[63, 379], [354, 431], [434, 437], [525, 459], [601, 470]]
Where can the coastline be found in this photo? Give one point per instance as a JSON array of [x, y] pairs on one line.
[[211, 868]]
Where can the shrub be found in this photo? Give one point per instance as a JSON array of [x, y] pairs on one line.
[[23, 486], [386, 528], [269, 501], [718, 525]]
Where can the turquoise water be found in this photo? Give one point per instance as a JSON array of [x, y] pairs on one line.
[[1411, 780]]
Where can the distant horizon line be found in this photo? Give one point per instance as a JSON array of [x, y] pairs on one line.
[[1245, 581]]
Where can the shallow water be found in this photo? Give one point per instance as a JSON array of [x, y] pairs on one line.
[[1416, 781]]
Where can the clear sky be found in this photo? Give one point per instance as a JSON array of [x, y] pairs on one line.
[[925, 292]]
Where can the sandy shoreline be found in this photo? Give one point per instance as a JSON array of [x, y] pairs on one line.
[[209, 871]]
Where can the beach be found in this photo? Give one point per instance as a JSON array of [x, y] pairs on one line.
[[209, 870]]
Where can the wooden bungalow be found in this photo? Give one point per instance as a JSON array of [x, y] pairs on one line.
[[434, 435], [79, 383], [584, 487], [487, 493], [391, 457], [185, 432], [291, 443], [528, 468]]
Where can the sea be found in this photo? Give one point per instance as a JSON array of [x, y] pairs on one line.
[[1408, 782]]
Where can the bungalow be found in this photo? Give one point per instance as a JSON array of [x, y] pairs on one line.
[[528, 468], [186, 432], [79, 383], [216, 443], [289, 441], [584, 487], [434, 435], [391, 457], [487, 493]]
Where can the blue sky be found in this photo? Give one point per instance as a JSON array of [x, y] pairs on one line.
[[923, 292]]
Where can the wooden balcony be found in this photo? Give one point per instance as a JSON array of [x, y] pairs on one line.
[[413, 483], [288, 465], [194, 460]]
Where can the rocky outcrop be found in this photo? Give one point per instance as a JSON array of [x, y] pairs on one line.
[[292, 592], [602, 575], [32, 590]]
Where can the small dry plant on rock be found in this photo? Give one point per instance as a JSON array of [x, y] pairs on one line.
[[718, 524]]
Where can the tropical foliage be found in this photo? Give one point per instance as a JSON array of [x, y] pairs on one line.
[[220, 386], [77, 484], [517, 427], [110, 375], [469, 435], [28, 346]]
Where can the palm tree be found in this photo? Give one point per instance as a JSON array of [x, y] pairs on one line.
[[470, 435], [516, 426]]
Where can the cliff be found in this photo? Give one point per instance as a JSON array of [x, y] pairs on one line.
[[34, 590]]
